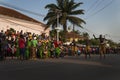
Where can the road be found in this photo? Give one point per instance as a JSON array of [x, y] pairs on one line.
[[67, 68]]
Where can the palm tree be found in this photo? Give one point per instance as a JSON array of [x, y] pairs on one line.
[[85, 34], [65, 11]]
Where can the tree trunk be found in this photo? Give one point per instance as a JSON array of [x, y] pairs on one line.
[[65, 28], [64, 31]]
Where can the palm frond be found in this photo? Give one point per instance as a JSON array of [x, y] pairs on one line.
[[76, 5], [77, 12], [51, 23], [60, 3], [51, 6], [49, 15], [77, 21]]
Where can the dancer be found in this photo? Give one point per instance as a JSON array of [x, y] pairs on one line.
[[102, 45], [87, 49]]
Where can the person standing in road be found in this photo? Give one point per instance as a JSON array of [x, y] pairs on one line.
[[102, 46], [87, 48], [22, 47]]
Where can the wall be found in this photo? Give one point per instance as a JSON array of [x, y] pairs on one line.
[[18, 24]]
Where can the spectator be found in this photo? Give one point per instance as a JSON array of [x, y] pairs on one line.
[[22, 47]]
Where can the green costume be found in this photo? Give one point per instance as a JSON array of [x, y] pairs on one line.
[[57, 51], [27, 53], [17, 49], [34, 43], [41, 50]]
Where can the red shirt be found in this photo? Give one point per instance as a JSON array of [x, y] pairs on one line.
[[21, 43], [56, 43]]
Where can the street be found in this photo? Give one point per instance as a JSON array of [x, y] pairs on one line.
[[67, 68]]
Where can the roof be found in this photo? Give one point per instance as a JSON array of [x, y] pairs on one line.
[[15, 14], [72, 35]]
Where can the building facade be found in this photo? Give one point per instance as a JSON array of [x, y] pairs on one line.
[[20, 22]]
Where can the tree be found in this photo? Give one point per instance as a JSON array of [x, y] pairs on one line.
[[112, 43], [64, 10], [85, 34], [94, 42]]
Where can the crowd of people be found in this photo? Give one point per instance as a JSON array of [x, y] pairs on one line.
[[29, 45], [32, 46]]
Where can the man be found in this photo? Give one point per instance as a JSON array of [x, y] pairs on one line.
[[102, 45], [87, 48]]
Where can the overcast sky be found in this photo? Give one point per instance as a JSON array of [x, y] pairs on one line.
[[101, 16]]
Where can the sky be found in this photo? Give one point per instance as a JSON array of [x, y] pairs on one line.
[[101, 16]]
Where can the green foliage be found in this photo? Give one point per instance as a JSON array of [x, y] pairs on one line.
[[67, 11], [85, 34], [94, 42], [112, 43], [62, 36], [53, 33], [10, 31], [81, 42]]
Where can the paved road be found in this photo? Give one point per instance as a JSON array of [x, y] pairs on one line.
[[68, 68]]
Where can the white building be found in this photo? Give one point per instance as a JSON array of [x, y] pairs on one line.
[[12, 19]]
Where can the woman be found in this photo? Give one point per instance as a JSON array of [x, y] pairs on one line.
[[22, 47]]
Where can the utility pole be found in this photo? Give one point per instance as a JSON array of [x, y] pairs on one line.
[[58, 12], [73, 39]]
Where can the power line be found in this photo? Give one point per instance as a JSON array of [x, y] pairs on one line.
[[92, 6], [96, 6], [14, 7], [99, 3], [101, 9], [89, 31]]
